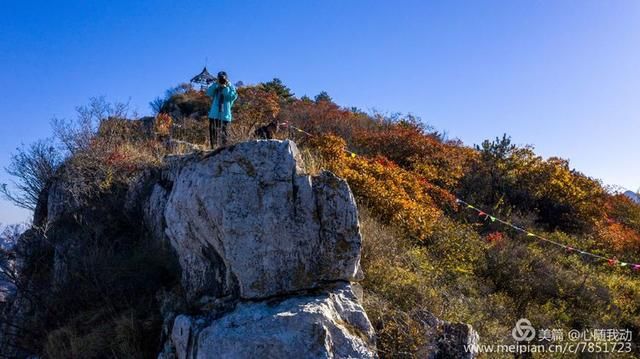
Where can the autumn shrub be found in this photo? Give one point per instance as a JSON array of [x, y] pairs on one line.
[[386, 260], [514, 180], [458, 247], [416, 275], [184, 101], [624, 300], [407, 143], [113, 130], [255, 106], [162, 125], [620, 240], [404, 280], [398, 334], [455, 273], [621, 229], [191, 130], [559, 288], [624, 210], [392, 288], [109, 161], [494, 237], [396, 196], [323, 118]]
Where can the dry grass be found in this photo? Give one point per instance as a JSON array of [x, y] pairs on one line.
[[392, 289]]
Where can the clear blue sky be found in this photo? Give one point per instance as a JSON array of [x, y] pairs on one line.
[[563, 76]]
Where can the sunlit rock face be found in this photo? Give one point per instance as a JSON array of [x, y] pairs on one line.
[[267, 255]]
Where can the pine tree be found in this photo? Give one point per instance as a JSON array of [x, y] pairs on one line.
[[284, 93], [323, 96]]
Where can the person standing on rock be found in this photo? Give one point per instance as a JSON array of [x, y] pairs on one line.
[[224, 95]]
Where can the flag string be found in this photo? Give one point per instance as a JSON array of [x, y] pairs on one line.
[[570, 249], [611, 261]]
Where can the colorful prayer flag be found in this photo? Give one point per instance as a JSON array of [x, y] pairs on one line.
[[569, 249]]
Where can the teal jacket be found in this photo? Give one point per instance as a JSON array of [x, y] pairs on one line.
[[223, 99]]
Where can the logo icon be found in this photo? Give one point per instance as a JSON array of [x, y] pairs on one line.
[[523, 331]]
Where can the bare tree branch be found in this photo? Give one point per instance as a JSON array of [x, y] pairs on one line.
[[32, 167]]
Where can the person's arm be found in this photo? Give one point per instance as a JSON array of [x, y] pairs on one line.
[[211, 90], [230, 93]]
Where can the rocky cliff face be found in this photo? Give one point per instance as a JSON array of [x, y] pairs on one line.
[[267, 259], [268, 255], [235, 253]]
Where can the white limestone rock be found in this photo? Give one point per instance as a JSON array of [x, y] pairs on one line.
[[246, 221], [329, 325]]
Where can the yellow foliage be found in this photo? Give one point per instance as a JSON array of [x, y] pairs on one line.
[[395, 195], [162, 124]]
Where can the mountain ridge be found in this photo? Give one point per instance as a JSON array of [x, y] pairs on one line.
[[431, 269]]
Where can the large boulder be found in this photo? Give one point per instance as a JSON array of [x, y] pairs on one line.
[[247, 220], [327, 325], [267, 254], [446, 339]]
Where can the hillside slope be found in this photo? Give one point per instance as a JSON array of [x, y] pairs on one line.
[[423, 255]]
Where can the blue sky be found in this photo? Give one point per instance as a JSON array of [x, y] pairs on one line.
[[562, 75]]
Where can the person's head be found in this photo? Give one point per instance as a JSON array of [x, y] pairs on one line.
[[222, 78]]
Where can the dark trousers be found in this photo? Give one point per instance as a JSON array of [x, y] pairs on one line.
[[217, 128]]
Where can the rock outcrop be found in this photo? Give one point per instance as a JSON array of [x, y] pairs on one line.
[[245, 255], [267, 254], [445, 339], [331, 324]]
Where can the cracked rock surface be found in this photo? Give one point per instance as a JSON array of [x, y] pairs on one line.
[[267, 254], [327, 325]]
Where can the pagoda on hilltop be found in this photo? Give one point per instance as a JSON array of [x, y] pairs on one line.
[[204, 79]]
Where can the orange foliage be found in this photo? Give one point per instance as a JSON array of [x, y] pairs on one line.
[[407, 144], [621, 229], [494, 237], [324, 118], [620, 237], [395, 195], [622, 209], [255, 105], [162, 124], [510, 179]]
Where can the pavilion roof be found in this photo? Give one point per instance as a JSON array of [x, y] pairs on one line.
[[203, 77]]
